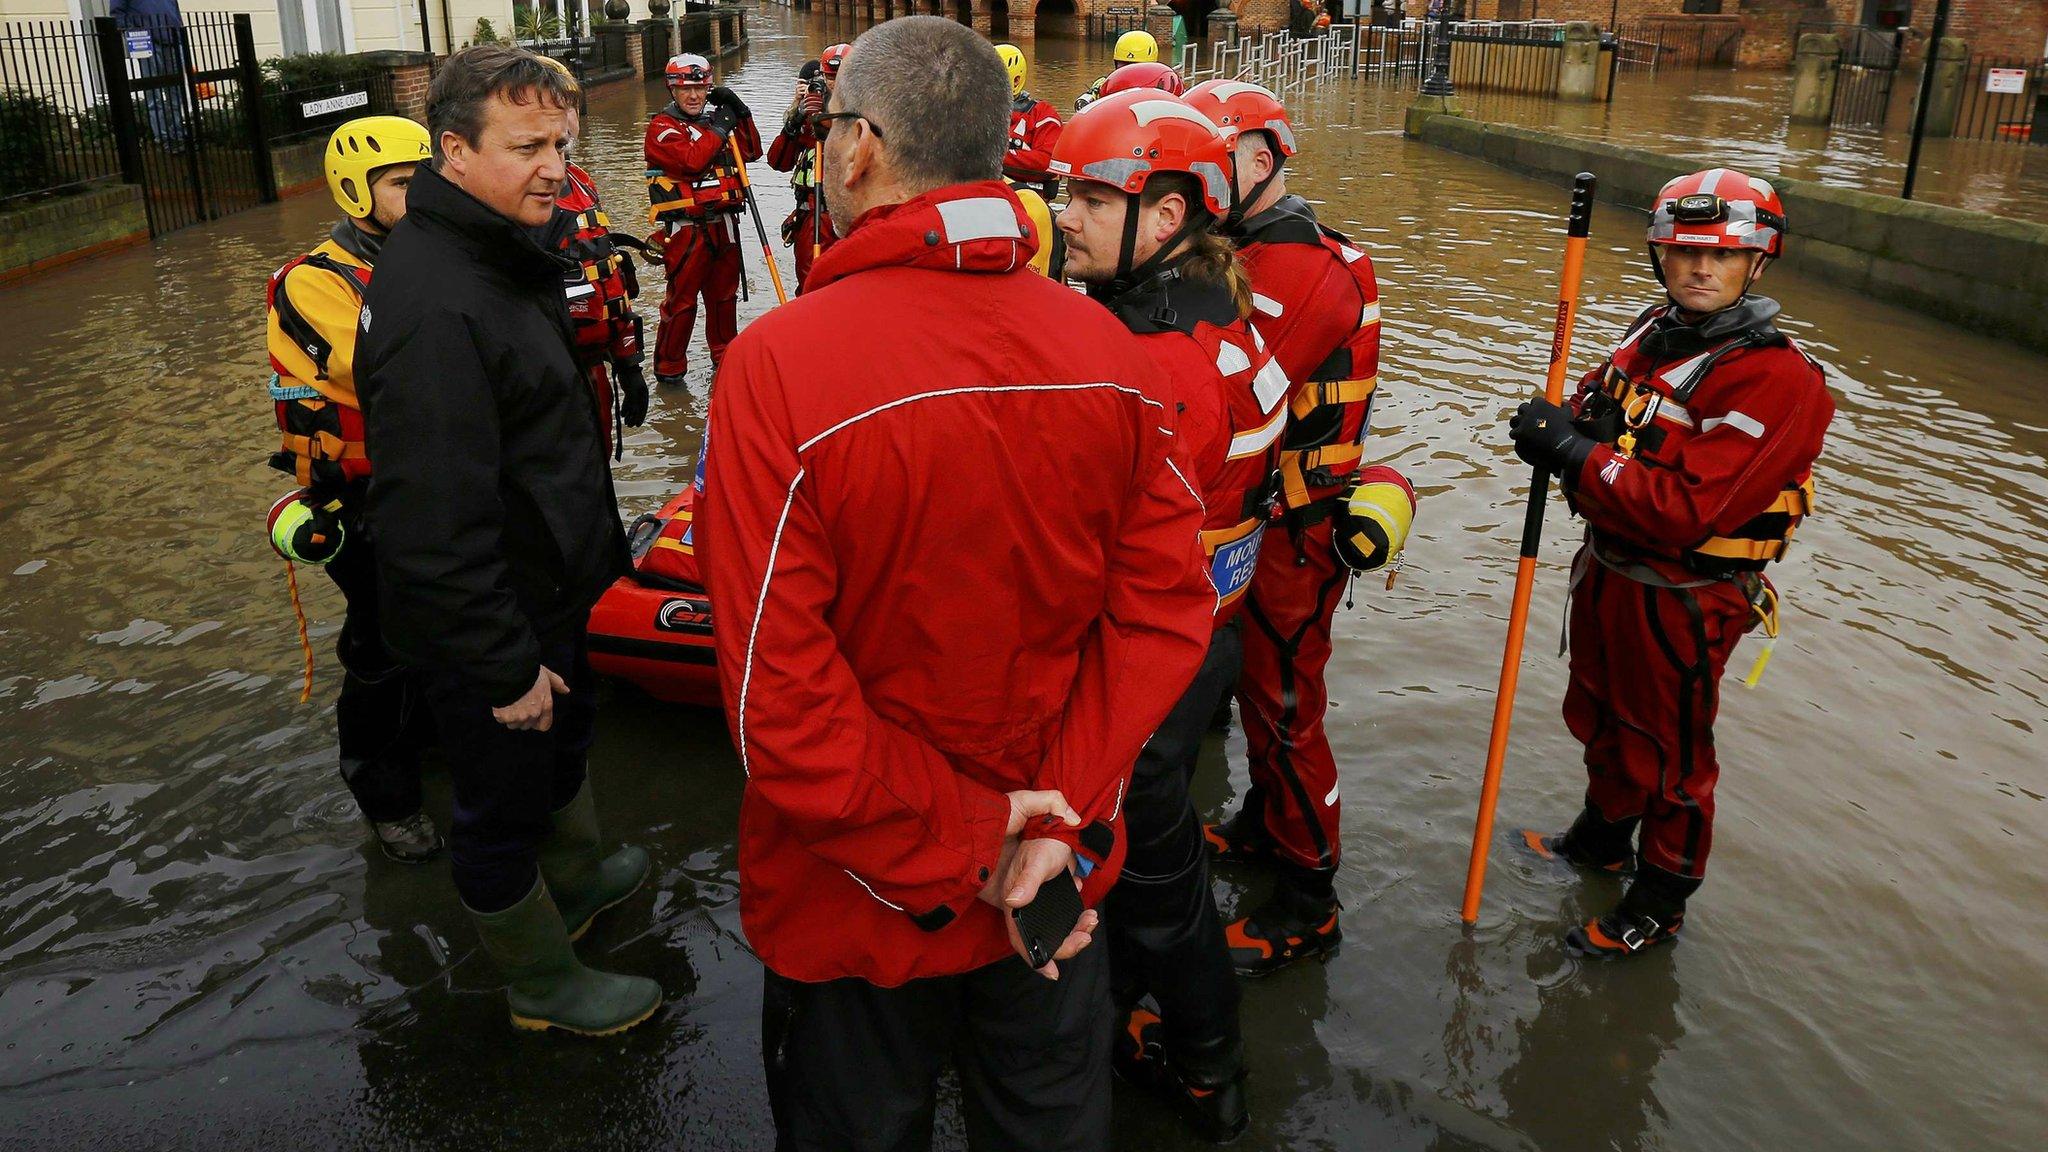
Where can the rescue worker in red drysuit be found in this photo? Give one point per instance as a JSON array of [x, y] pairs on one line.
[[315, 301], [1139, 237], [1317, 305], [1034, 129], [808, 230], [925, 665], [601, 291], [695, 201], [1690, 453]]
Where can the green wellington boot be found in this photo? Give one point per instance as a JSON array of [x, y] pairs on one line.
[[547, 986], [583, 881]]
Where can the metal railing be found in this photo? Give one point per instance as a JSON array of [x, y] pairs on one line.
[[2005, 116], [1668, 45], [1113, 22], [52, 110]]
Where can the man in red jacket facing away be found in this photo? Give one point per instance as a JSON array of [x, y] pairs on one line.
[[695, 198], [808, 230], [944, 653], [1139, 237], [1317, 305], [1690, 454]]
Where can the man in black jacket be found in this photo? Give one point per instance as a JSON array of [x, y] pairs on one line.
[[497, 528]]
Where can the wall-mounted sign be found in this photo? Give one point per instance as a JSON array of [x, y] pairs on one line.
[[2005, 80], [341, 103]]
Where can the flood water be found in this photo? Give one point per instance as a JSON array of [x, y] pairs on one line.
[[198, 950]]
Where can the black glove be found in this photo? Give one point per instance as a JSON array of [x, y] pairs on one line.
[[632, 392], [727, 98], [721, 119], [1544, 437]]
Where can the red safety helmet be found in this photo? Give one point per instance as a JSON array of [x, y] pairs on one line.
[[830, 59], [688, 70], [1719, 208], [1125, 139], [1132, 76], [1238, 107]]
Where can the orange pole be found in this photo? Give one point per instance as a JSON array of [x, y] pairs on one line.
[[1581, 223], [747, 187]]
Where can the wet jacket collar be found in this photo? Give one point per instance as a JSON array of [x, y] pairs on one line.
[[433, 201], [1171, 302], [979, 227], [1672, 338], [362, 245], [1289, 221]]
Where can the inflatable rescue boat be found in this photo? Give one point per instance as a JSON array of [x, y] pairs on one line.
[[652, 628]]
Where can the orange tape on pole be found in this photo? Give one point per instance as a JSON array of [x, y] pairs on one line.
[[747, 188], [1580, 224]]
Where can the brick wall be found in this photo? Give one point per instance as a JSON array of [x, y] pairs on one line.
[[1993, 27], [68, 228]]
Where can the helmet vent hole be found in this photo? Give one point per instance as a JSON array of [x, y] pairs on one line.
[[348, 189]]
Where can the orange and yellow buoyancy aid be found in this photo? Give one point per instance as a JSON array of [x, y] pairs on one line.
[[1621, 409], [312, 338], [1330, 412], [716, 191], [602, 314]]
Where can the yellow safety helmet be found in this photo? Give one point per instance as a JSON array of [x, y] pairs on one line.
[[1041, 227], [1013, 62], [1136, 47], [1374, 519], [360, 147]]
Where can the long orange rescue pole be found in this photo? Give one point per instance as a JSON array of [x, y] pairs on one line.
[[1532, 535], [747, 188]]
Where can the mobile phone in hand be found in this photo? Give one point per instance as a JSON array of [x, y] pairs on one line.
[[1045, 923]]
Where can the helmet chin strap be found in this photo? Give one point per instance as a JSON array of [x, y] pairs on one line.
[[1241, 205], [1128, 277]]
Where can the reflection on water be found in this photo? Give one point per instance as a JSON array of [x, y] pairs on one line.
[[193, 939]]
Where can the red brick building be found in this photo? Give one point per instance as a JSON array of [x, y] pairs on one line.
[[1995, 27]]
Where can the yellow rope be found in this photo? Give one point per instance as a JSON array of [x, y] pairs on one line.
[[291, 579]]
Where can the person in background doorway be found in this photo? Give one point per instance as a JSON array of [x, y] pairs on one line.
[[315, 302], [166, 98]]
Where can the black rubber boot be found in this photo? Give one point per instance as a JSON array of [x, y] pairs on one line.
[[1241, 838], [1298, 920], [1650, 913], [1208, 1090], [583, 880], [547, 986], [1591, 843]]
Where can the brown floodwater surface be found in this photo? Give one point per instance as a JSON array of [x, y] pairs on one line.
[[198, 950]]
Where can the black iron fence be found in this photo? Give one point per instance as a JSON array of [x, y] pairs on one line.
[[175, 106], [1668, 45], [55, 127], [2004, 99], [1114, 21]]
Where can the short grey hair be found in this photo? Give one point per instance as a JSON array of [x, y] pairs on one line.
[[469, 78], [940, 95]]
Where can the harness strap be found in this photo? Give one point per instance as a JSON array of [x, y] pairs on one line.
[[1316, 394]]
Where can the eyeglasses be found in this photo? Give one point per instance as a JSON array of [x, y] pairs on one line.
[[821, 123]]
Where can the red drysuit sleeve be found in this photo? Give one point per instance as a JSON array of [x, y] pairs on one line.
[[1760, 429], [859, 791], [1031, 142], [1142, 653], [785, 150], [684, 151]]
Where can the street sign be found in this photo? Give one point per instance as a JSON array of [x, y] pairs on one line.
[[2011, 81], [312, 108], [139, 45]]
